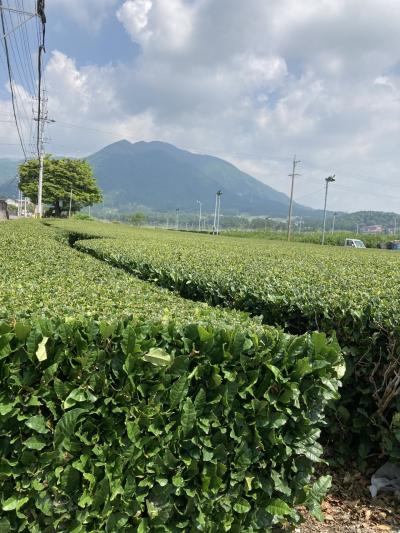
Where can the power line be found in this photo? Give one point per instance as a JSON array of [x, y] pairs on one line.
[[3, 26]]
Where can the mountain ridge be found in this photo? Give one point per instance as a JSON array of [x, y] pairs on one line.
[[158, 176], [162, 177]]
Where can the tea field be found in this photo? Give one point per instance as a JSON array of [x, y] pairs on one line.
[[126, 407], [353, 294]]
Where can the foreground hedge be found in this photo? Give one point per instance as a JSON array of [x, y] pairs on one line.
[[354, 293], [153, 427]]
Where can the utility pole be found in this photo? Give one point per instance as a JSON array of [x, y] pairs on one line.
[[25, 210], [41, 119], [218, 195], [328, 180], [333, 222], [24, 17], [70, 204], [198, 201], [300, 223], [215, 215], [19, 204], [395, 225], [293, 174], [357, 228], [42, 107], [177, 218]]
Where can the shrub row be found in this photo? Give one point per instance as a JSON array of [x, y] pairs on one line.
[[112, 426], [299, 287], [110, 422]]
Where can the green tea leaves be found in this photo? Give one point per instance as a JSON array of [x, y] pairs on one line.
[[158, 357], [41, 353]]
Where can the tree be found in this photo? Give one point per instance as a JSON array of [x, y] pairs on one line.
[[137, 219], [60, 177]]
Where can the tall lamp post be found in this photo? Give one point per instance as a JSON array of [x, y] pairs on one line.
[[198, 201], [333, 222], [217, 212], [328, 180]]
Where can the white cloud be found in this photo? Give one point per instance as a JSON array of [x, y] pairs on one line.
[[161, 25], [254, 82]]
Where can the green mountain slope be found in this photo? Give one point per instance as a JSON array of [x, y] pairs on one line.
[[162, 177], [8, 171]]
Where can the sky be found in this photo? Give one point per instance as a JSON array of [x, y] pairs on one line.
[[253, 82]]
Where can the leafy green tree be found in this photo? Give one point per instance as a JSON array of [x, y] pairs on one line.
[[137, 219], [60, 177]]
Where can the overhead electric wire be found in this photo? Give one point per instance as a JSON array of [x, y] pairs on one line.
[[20, 60], [27, 48], [10, 77], [42, 34]]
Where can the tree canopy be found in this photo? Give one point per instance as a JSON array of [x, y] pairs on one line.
[[60, 177]]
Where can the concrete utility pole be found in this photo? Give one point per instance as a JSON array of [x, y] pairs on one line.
[[70, 204], [328, 180], [215, 215], [198, 201], [217, 212], [293, 174], [177, 218], [19, 203], [219, 194], [333, 222]]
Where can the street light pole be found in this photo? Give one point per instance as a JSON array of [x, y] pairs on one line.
[[198, 201], [328, 180], [215, 215], [300, 223], [333, 222], [217, 212]]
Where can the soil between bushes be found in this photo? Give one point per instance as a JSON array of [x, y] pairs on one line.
[[349, 508]]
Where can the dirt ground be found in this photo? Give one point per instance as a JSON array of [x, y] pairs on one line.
[[349, 508]]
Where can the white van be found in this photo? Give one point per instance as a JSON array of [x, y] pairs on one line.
[[354, 243]]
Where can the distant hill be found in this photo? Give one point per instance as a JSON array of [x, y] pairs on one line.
[[8, 171], [348, 221], [161, 177]]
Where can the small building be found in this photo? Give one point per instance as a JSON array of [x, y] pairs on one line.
[[377, 228], [3, 210]]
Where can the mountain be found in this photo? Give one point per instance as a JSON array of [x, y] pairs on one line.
[[161, 177], [8, 183]]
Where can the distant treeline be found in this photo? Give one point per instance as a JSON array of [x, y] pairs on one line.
[[349, 222]]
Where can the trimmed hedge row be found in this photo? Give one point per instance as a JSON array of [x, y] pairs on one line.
[[299, 287], [131, 425]]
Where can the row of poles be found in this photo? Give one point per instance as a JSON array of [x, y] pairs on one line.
[[328, 180], [217, 214], [22, 205]]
